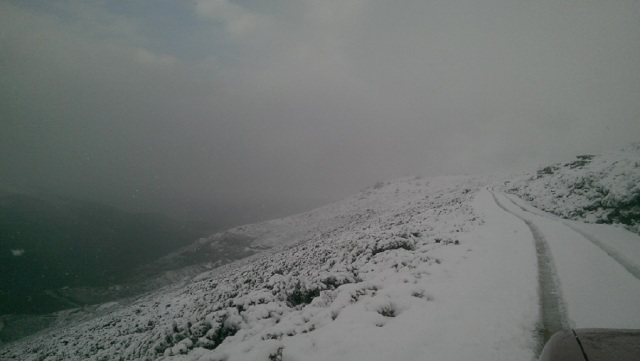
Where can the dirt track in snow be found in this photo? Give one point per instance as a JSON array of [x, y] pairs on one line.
[[552, 306], [621, 259], [588, 274]]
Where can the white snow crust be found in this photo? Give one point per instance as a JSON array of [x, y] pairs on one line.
[[414, 269]]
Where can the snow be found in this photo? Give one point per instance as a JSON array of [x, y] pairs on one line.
[[439, 268], [456, 309], [596, 189], [616, 241], [599, 292]]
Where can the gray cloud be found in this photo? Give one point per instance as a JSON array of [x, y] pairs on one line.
[[305, 101]]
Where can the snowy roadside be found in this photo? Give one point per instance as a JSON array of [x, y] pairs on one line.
[[599, 290], [414, 269], [602, 188], [618, 242], [478, 302]]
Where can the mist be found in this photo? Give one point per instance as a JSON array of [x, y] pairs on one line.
[[272, 108]]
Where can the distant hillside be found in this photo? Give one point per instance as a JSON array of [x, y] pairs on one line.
[[47, 243], [593, 188]]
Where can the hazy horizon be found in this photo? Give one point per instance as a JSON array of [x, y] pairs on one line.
[[177, 106]]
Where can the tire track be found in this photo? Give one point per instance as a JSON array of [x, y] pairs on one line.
[[628, 265], [553, 310]]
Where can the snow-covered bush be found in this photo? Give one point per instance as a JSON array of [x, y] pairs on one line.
[[340, 257], [598, 189]]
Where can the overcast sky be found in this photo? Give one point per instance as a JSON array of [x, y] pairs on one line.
[[151, 104]]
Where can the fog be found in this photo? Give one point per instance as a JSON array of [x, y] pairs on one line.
[[175, 106]]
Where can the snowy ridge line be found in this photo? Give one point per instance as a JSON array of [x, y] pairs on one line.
[[553, 309], [626, 263]]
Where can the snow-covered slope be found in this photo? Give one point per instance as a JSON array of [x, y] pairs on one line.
[[437, 268], [370, 254], [595, 189], [240, 242]]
